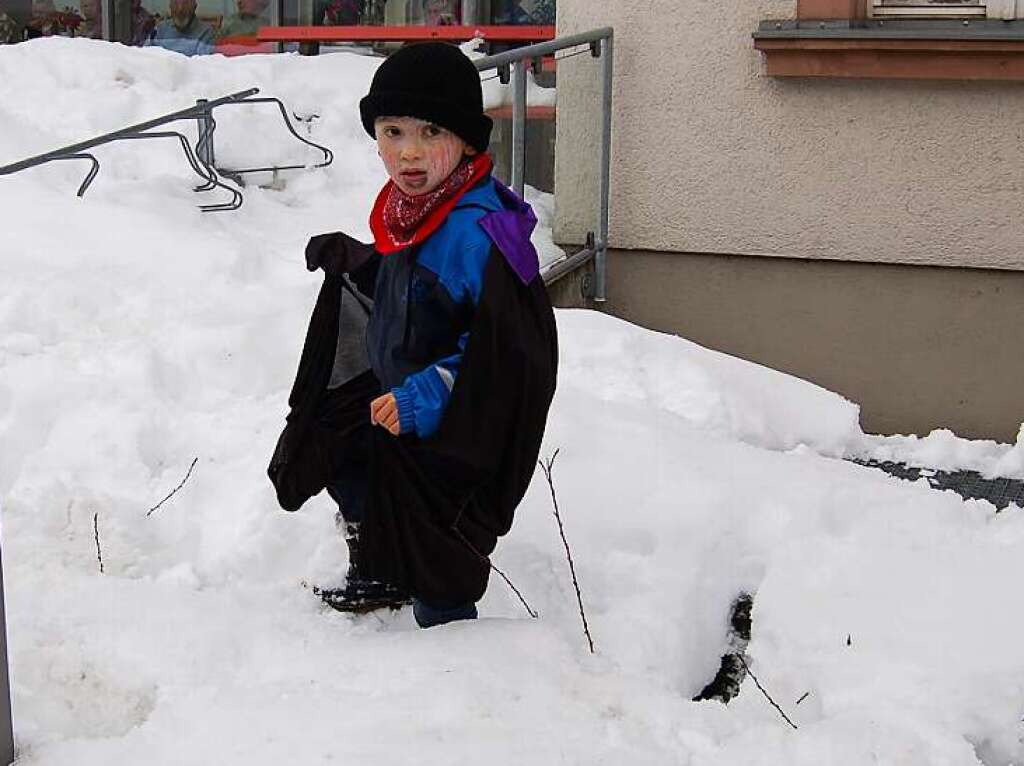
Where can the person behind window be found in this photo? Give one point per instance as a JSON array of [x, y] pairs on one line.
[[247, 21], [183, 32], [143, 23], [41, 23], [438, 13], [10, 32], [92, 20], [511, 12], [543, 11], [333, 13]]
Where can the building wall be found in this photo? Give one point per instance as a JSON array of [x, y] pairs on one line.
[[710, 156]]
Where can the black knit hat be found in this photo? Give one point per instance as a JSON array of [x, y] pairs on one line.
[[431, 81]]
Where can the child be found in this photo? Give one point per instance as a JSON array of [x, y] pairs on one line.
[[428, 451]]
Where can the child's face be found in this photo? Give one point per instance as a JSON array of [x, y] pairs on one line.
[[418, 155]]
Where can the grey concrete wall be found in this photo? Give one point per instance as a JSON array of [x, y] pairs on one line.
[[711, 156], [567, 292], [918, 347]]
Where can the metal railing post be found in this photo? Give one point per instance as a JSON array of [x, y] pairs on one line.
[[6, 722], [519, 126], [600, 42], [107, 19], [600, 260], [204, 146]]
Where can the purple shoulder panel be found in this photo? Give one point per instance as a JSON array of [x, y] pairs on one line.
[[510, 230]]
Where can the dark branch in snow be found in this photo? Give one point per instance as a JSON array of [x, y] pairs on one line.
[[175, 490], [803, 697], [767, 696], [561, 531], [727, 681], [489, 563], [96, 533]]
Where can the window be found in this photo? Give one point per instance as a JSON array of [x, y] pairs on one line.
[[43, 18], [927, 8], [232, 25]]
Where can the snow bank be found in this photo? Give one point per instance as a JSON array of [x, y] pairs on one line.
[[711, 390], [944, 450], [137, 334]]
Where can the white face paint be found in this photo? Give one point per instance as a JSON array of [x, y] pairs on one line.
[[418, 155]]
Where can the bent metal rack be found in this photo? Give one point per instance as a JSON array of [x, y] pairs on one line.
[[201, 158]]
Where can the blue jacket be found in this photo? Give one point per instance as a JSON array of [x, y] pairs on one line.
[[424, 302]]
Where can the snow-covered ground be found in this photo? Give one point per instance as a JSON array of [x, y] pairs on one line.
[[138, 334]]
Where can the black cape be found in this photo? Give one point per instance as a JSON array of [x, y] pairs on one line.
[[434, 507]]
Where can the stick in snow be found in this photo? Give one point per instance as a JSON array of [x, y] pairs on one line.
[[96, 533], [489, 563], [767, 696], [174, 491], [561, 531]]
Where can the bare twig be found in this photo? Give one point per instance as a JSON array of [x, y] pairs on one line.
[[96, 533], [561, 531], [515, 590], [767, 696], [175, 490], [803, 697], [458, 532]]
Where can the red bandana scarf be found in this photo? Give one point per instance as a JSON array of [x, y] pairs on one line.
[[400, 220]]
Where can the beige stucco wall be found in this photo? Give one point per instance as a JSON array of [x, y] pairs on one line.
[[711, 156]]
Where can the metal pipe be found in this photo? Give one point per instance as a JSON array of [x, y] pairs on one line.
[[568, 265], [519, 126], [600, 263], [542, 49], [191, 113], [204, 145], [107, 19], [6, 722]]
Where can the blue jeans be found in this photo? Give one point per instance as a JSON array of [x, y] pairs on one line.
[[429, 615]]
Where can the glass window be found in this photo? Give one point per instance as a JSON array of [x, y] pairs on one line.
[[14, 14], [927, 8], [193, 27], [389, 13], [230, 26], [520, 12], [21, 19]]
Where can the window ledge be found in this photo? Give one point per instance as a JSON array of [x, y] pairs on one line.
[[888, 49]]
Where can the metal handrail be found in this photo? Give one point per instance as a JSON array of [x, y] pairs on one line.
[[201, 158], [511, 65]]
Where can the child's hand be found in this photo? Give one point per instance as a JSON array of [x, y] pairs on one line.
[[384, 412]]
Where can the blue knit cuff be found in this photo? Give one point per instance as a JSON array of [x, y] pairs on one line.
[[406, 413]]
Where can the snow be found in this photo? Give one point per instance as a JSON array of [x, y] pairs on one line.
[[138, 334]]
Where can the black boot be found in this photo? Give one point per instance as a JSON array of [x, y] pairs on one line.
[[360, 593]]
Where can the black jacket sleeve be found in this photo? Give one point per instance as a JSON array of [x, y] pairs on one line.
[[337, 253]]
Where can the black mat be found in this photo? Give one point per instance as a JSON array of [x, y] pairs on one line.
[[970, 485]]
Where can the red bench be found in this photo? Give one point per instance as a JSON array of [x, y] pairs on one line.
[[309, 38], [242, 46]]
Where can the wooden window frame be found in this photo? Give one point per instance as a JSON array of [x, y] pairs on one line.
[[922, 9], [841, 39]]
